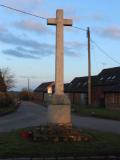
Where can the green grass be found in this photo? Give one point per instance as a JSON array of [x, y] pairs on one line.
[[99, 112], [105, 143], [9, 109]]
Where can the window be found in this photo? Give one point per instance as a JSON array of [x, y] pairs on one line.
[[49, 90], [113, 77], [101, 78], [108, 78], [85, 83], [70, 84], [78, 84]]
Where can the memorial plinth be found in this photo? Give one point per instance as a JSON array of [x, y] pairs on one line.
[[59, 110]]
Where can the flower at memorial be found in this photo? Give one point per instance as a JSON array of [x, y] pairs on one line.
[[26, 134]]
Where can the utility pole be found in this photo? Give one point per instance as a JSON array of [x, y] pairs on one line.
[[89, 68], [28, 88]]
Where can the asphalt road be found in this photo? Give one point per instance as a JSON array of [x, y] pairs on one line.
[[30, 114]]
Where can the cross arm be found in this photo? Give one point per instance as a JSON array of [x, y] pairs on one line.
[[51, 21], [67, 22]]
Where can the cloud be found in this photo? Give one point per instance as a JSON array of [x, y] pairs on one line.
[[31, 53], [44, 50], [71, 14], [25, 48], [30, 25], [20, 52], [75, 44], [31, 1], [73, 48], [15, 53], [94, 17], [110, 32], [33, 49], [11, 39], [97, 16], [70, 52], [2, 28]]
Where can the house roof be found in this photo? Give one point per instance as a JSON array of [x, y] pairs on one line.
[[107, 77], [79, 84], [43, 87], [110, 76]]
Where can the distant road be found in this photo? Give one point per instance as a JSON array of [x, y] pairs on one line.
[[31, 114]]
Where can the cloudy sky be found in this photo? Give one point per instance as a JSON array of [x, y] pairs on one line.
[[27, 44]]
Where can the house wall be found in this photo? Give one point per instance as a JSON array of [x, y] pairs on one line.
[[71, 97], [98, 97], [47, 97], [78, 98], [38, 97], [112, 100]]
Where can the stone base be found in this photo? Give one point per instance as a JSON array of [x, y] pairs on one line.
[[59, 115]]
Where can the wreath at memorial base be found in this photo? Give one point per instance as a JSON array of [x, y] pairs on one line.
[[56, 134]]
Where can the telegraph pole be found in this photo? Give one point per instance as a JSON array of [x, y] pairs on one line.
[[89, 67], [28, 88], [28, 85]]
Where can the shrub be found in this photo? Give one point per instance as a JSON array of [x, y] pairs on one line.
[[6, 100], [25, 95]]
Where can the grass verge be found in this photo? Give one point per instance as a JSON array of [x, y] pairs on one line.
[[7, 110], [99, 112], [104, 144]]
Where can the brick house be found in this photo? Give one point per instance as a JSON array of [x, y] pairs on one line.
[[106, 87], [43, 90], [112, 97], [77, 90]]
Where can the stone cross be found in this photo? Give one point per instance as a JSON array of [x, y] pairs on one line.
[[60, 22]]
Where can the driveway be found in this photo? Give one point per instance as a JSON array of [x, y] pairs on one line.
[[30, 114]]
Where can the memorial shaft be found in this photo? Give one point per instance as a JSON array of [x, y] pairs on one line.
[[59, 65]]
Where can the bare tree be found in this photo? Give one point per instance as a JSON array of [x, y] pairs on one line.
[[6, 79]]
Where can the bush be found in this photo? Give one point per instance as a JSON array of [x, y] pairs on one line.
[[6, 100], [25, 95]]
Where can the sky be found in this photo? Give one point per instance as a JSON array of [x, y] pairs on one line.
[[27, 43]]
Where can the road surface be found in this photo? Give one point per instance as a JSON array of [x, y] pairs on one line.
[[31, 114]]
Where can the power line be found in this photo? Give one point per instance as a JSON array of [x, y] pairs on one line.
[[82, 29], [34, 15], [21, 11], [104, 52]]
